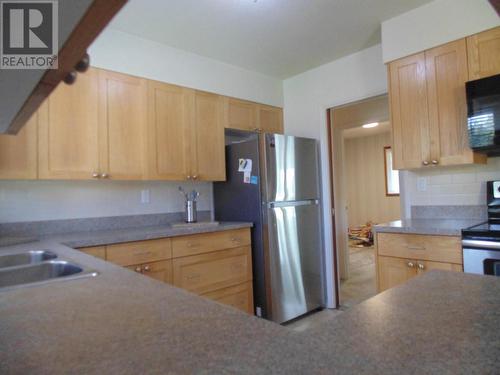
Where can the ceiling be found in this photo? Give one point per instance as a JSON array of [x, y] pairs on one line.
[[359, 131], [279, 38]]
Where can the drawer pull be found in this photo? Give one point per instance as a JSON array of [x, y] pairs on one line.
[[191, 244], [141, 253], [235, 239], [138, 269], [411, 264], [421, 266], [147, 268], [410, 247], [194, 276]]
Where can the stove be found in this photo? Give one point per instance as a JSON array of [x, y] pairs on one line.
[[481, 243]]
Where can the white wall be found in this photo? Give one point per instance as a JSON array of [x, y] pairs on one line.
[[130, 54], [465, 185], [433, 24], [45, 200], [307, 96]]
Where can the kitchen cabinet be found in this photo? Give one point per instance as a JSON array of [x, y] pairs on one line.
[[68, 146], [428, 108], [484, 54], [122, 126], [403, 256], [216, 265], [18, 154], [207, 138], [245, 115], [95, 251], [169, 145]]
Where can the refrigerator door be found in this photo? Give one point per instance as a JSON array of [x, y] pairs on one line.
[[294, 253], [291, 168]]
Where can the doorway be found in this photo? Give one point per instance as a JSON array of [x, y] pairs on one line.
[[366, 191]]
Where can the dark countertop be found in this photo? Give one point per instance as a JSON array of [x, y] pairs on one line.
[[441, 227], [112, 236], [122, 322]]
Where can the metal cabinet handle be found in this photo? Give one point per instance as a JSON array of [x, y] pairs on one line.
[[138, 269], [191, 244], [147, 268], [83, 65], [235, 239], [435, 162], [188, 177], [410, 247], [104, 175], [195, 177], [421, 266], [95, 175], [411, 264], [425, 162]]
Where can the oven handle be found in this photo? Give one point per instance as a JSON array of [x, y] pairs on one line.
[[481, 244]]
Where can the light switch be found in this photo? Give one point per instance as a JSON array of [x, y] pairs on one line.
[[145, 196], [421, 183]]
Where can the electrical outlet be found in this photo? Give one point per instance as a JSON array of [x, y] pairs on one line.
[[422, 183], [145, 196]]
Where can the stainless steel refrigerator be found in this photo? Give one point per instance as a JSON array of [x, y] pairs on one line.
[[280, 194]]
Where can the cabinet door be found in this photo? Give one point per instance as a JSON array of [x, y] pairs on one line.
[[168, 132], [18, 153], [122, 122], [68, 130], [240, 114], [424, 266], [96, 251], [484, 54], [213, 271], [270, 119], [208, 138], [394, 271], [446, 69], [409, 112], [240, 297]]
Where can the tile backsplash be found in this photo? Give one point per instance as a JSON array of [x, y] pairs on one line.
[[465, 185]]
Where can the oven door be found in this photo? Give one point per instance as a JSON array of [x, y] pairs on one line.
[[482, 261]]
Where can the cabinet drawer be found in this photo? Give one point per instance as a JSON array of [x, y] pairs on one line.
[[157, 270], [209, 272], [139, 252], [97, 251], [208, 242], [239, 297], [434, 248]]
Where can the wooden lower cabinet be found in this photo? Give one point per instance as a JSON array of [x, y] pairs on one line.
[[161, 271], [239, 296], [215, 265], [403, 256], [209, 272], [96, 251]]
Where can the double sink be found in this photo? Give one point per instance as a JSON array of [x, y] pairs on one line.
[[37, 267]]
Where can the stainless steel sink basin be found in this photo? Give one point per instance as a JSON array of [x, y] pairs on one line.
[[42, 272], [29, 257]]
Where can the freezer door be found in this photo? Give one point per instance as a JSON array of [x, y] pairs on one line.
[[291, 168], [294, 253]]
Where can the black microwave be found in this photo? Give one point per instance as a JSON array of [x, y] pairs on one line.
[[483, 115]]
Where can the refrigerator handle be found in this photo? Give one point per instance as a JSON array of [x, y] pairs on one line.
[[293, 203]]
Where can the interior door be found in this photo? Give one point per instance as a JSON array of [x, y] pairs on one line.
[[294, 254], [291, 168], [122, 117]]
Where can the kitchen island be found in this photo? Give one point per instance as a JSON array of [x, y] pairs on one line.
[[122, 322]]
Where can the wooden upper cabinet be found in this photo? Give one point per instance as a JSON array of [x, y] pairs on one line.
[[447, 72], [208, 137], [18, 153], [122, 122], [270, 119], [409, 111], [168, 132], [68, 130], [240, 114], [484, 54]]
